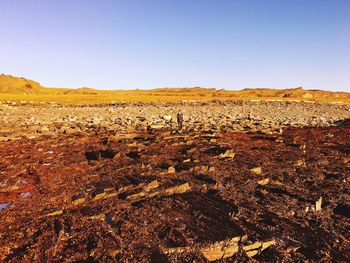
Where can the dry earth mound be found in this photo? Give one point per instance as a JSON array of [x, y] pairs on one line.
[[10, 84]]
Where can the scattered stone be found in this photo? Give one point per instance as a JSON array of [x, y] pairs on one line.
[[318, 204], [178, 189], [55, 213], [258, 247], [167, 117], [279, 140], [79, 201], [225, 249], [152, 185], [100, 217], [266, 117], [300, 163], [133, 202], [211, 169], [100, 196], [45, 129], [220, 186], [256, 170], [222, 249], [171, 170], [202, 169], [264, 181], [227, 154]]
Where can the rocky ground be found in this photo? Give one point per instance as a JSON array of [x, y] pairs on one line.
[[18, 120], [245, 181]]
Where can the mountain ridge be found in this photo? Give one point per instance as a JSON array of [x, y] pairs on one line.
[[22, 87]]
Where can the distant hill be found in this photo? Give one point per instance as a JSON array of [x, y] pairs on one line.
[[17, 85], [293, 93], [10, 84], [14, 88]]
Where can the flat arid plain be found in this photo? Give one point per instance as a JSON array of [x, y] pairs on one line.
[[107, 176]]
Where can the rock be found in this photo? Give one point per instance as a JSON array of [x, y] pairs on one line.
[[152, 185], [55, 213], [167, 117], [300, 163], [67, 130], [264, 181], [171, 170], [220, 186], [78, 201], [99, 196], [200, 169], [222, 249], [45, 129], [318, 204], [258, 247], [156, 126], [226, 249], [227, 154], [256, 170], [178, 189]]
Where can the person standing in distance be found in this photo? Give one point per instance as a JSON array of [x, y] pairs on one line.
[[180, 119]]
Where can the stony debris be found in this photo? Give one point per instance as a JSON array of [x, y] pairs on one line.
[[227, 154], [224, 249], [318, 204], [221, 249], [171, 170], [55, 213], [102, 192], [258, 247], [264, 181], [256, 170], [300, 163], [265, 117], [178, 189]]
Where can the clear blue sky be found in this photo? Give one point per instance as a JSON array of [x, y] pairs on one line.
[[128, 44]]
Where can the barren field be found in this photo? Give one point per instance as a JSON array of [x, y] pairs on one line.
[[26, 91], [245, 181]]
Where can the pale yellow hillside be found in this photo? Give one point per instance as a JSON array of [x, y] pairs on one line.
[[21, 89]]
